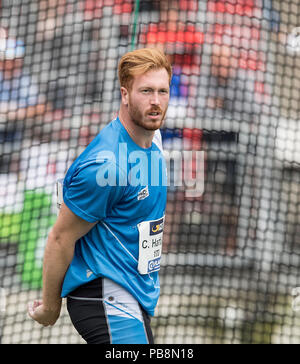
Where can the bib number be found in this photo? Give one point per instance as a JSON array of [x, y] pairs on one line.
[[150, 245]]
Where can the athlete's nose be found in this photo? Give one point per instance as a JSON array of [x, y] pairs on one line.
[[155, 99]]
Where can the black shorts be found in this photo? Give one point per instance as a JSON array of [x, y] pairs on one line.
[[104, 313]]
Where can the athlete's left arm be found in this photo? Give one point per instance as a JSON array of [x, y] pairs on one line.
[[58, 255]]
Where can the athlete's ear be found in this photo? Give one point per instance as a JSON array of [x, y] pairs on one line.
[[124, 95]]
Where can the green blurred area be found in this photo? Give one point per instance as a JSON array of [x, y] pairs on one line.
[[10, 227], [28, 230]]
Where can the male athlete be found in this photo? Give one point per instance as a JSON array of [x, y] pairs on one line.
[[103, 253]]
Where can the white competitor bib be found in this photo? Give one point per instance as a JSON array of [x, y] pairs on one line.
[[150, 245], [59, 193]]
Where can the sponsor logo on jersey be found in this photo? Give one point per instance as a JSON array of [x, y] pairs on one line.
[[153, 265], [156, 227], [144, 193]]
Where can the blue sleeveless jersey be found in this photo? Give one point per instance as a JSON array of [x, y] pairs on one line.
[[121, 187]]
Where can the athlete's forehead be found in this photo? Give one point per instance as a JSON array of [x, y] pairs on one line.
[[155, 79]]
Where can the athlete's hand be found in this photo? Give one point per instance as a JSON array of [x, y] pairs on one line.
[[43, 316]]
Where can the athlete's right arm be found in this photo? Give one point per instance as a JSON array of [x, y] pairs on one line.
[[58, 255]]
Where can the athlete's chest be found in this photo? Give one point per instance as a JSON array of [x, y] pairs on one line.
[[142, 203]]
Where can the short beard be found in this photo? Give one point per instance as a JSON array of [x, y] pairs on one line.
[[137, 118]]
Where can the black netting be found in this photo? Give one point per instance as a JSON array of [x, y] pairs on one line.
[[231, 254]]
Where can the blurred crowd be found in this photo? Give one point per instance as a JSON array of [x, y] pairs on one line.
[[69, 44]]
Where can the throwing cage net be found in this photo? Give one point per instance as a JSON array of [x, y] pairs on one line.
[[231, 247]]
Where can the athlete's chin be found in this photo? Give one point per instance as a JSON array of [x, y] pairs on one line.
[[153, 125]]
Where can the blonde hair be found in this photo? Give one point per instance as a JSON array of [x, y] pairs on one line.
[[139, 62]]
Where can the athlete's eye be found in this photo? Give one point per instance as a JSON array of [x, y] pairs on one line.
[[164, 92]]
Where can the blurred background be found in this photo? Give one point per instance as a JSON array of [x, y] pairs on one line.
[[232, 256]]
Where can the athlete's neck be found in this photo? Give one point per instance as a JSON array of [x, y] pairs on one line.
[[139, 135]]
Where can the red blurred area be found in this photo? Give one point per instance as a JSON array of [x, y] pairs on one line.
[[238, 7], [93, 8], [158, 33]]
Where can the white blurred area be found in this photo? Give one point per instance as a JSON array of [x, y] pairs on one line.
[[287, 149], [40, 167]]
